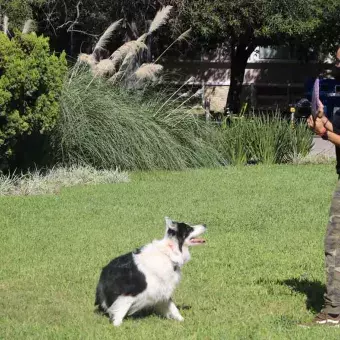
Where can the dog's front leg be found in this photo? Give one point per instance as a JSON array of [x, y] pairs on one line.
[[169, 310], [174, 312]]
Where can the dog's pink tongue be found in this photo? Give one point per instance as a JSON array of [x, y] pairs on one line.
[[197, 240]]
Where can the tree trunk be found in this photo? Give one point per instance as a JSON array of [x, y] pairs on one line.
[[239, 57]]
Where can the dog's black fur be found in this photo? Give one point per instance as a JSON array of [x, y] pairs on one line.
[[120, 277]]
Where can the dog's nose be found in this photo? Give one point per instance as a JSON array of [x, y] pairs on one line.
[[204, 225]]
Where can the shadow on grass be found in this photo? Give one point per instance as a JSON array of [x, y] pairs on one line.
[[314, 291]]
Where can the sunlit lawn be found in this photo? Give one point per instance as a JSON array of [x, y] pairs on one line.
[[259, 275]]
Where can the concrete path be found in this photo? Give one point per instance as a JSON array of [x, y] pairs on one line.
[[322, 147]]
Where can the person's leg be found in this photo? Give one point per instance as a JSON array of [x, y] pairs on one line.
[[330, 315], [332, 256]]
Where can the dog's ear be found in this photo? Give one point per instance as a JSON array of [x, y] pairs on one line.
[[170, 224]]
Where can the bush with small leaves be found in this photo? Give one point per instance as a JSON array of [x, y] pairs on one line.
[[31, 80]]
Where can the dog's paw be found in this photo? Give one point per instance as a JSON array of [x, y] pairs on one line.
[[179, 318], [117, 323], [175, 317]]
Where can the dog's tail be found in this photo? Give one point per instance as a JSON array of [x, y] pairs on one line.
[[98, 300], [98, 304]]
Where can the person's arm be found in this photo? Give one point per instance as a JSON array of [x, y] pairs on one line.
[[332, 137], [319, 128], [321, 114]]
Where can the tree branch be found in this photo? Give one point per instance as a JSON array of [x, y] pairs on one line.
[[70, 29], [83, 32]]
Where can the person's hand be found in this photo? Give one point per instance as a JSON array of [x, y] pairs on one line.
[[319, 127], [316, 124], [321, 113]]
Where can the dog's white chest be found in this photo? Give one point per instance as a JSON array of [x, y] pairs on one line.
[[161, 275], [161, 285]]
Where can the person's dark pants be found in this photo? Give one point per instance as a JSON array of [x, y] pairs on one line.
[[332, 256]]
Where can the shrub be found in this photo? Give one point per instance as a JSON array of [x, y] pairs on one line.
[[109, 126], [265, 139], [31, 80], [113, 116]]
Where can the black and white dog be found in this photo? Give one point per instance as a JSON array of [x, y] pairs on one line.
[[147, 277]]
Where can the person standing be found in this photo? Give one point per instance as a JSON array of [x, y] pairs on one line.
[[330, 314]]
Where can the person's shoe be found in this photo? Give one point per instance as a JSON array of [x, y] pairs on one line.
[[324, 319]]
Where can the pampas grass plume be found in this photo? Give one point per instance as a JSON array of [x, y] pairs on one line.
[[28, 26], [160, 19], [148, 71], [103, 40]]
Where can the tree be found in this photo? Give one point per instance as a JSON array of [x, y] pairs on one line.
[[325, 38], [75, 25], [245, 24], [241, 25], [18, 11]]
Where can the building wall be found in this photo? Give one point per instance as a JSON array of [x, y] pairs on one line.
[[272, 78]]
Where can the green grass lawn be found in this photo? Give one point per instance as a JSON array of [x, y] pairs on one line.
[[259, 275]]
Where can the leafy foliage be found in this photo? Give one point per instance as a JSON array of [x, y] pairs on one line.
[[30, 84], [265, 139], [241, 25], [18, 11], [244, 25], [259, 22]]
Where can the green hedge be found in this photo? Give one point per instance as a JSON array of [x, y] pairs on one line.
[[31, 80]]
